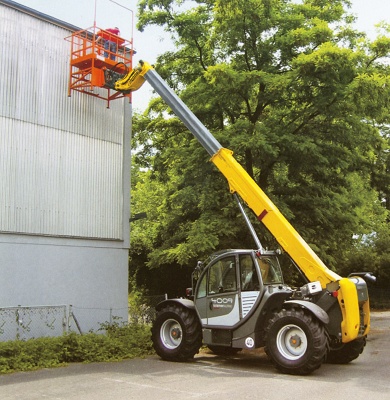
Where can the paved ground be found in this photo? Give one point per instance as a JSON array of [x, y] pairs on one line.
[[247, 376]]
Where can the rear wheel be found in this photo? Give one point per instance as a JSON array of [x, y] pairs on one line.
[[347, 352], [295, 341], [176, 333]]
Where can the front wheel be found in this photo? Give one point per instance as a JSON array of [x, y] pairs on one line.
[[295, 341], [176, 333]]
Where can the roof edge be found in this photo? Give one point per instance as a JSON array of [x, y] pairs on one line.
[[39, 15]]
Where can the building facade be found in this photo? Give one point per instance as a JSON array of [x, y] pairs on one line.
[[64, 175]]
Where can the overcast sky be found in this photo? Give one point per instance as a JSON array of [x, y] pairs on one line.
[[152, 41]]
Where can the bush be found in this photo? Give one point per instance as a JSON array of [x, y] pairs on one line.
[[118, 343]]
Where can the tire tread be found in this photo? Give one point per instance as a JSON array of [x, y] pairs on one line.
[[192, 333]]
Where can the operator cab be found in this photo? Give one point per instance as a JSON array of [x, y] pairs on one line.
[[232, 283]]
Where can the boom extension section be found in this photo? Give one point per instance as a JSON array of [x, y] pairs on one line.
[[355, 322]]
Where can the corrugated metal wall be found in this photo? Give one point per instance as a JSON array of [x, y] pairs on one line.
[[60, 158]]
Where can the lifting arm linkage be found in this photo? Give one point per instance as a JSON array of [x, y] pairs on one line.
[[240, 182]]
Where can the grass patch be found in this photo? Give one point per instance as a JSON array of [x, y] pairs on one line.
[[118, 343]]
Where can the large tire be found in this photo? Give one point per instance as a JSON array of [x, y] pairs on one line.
[[347, 352], [176, 333], [296, 341]]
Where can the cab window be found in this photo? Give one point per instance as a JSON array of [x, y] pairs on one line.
[[270, 270], [248, 273], [202, 287], [222, 276]]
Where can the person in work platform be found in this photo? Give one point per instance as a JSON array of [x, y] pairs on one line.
[[110, 41]]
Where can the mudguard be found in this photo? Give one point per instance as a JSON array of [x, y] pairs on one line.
[[184, 302], [317, 311]]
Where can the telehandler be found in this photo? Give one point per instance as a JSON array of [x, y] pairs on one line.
[[239, 299]]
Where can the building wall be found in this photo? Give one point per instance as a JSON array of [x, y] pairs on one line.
[[64, 172], [61, 158]]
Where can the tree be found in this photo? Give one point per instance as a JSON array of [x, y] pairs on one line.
[[298, 95]]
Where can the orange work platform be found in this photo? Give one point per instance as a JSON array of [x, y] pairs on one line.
[[92, 53]]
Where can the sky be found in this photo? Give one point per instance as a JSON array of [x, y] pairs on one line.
[[154, 41]]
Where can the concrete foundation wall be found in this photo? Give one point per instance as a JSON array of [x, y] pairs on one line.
[[56, 271]]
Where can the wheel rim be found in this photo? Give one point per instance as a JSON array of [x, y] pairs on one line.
[[171, 334], [291, 342]]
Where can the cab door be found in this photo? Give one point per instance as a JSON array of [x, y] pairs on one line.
[[217, 296], [250, 283]]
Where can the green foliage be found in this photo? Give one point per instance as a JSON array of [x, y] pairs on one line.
[[119, 342], [299, 96], [371, 253], [34, 354]]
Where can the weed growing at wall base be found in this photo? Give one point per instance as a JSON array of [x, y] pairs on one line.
[[118, 343]]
